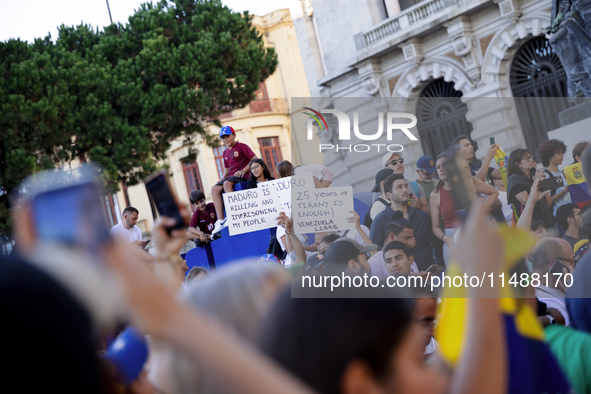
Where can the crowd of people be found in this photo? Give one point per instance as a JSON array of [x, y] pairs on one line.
[[242, 329]]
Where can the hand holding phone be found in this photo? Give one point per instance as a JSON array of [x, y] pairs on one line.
[[433, 268], [552, 183], [161, 193]]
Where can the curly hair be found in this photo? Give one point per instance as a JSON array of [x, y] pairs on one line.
[[550, 148]]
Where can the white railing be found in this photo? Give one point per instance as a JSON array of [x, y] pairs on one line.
[[405, 19]]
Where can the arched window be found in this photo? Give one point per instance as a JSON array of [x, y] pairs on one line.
[[441, 117], [538, 82]]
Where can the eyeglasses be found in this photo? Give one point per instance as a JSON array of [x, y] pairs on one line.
[[395, 161], [561, 153], [426, 173], [254, 167], [528, 158]]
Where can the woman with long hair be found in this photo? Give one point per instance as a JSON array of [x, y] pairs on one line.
[[284, 169], [520, 169], [442, 204], [259, 172]]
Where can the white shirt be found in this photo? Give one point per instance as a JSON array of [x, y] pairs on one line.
[[354, 235], [553, 298], [506, 208], [131, 235], [376, 208], [431, 347]]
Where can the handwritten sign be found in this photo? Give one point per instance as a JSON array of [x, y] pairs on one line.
[[251, 210], [317, 210], [284, 187]]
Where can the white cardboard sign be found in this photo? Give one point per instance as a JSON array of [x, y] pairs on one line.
[[318, 210], [283, 188], [251, 210]]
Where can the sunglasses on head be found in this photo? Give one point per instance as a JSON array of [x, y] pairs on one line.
[[395, 161]]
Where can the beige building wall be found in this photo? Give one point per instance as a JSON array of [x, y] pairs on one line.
[[250, 123]]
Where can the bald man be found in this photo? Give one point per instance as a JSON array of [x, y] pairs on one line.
[[546, 253]]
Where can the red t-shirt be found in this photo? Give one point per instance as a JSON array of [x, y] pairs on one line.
[[237, 158], [204, 220]]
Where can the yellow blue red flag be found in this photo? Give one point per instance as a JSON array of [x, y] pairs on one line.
[[532, 367], [577, 186]]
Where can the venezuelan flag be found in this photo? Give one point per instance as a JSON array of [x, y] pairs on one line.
[[532, 367], [581, 248], [502, 162], [577, 187]]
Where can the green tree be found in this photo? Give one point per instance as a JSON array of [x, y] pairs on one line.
[[118, 97]]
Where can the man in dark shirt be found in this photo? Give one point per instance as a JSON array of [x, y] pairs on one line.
[[427, 245], [203, 219], [569, 217]]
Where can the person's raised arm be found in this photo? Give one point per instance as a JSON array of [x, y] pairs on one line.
[[534, 196], [490, 191], [285, 222], [357, 220], [490, 154], [483, 365], [155, 311]]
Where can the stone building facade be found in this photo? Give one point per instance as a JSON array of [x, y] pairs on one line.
[[479, 53]]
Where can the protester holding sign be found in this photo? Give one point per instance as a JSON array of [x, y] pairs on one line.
[[251, 210], [259, 172]]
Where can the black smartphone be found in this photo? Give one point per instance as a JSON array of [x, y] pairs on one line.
[[160, 192], [71, 214], [492, 140], [462, 188], [552, 183], [557, 267]]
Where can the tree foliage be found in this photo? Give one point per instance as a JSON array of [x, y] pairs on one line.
[[118, 97]]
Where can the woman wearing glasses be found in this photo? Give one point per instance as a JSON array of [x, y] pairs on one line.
[[522, 174], [259, 172]]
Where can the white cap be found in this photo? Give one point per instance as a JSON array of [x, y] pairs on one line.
[[388, 156]]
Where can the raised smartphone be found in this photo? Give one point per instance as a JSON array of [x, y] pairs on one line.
[[161, 193]]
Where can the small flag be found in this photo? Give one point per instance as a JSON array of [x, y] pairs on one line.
[[532, 367], [577, 186], [502, 162]]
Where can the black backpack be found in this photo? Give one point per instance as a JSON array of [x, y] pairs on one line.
[[553, 192], [275, 248]]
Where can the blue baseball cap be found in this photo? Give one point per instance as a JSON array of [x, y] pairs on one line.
[[426, 163], [226, 130], [128, 353], [269, 258]]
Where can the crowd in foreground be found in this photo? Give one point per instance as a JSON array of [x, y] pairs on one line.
[[239, 330]]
